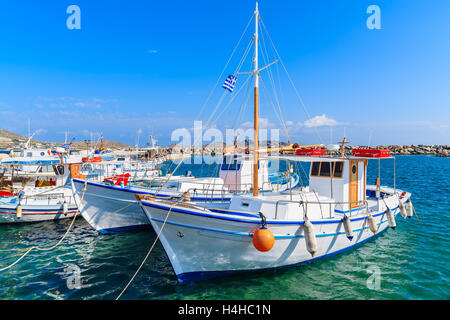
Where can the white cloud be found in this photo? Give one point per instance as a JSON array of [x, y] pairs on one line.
[[320, 121], [153, 51], [263, 123]]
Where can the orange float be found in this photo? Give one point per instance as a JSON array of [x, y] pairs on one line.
[[263, 239]]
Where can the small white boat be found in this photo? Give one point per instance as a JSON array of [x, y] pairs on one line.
[[39, 195], [37, 205]]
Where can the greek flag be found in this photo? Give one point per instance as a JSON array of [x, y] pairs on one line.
[[229, 83], [66, 146]]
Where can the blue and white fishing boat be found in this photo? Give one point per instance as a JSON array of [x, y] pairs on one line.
[[263, 230]]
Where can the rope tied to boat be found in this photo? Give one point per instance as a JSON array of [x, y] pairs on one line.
[[149, 251], [263, 219], [27, 251]]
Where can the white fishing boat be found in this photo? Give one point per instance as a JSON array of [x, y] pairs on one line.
[[266, 230], [38, 195], [111, 206]]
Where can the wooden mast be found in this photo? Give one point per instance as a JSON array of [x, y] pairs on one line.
[[255, 119]]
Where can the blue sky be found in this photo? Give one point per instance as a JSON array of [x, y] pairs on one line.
[[149, 66]]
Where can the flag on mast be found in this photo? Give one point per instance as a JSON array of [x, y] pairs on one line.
[[229, 83]]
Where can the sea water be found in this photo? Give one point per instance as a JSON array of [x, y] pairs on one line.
[[410, 262]]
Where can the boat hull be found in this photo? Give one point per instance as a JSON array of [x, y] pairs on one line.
[[203, 245], [110, 209], [35, 213]]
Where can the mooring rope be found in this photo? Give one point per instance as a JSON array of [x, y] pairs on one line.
[[55, 245], [149, 251]]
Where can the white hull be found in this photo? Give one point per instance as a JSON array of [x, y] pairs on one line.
[[110, 208], [35, 213], [38, 204], [203, 244]]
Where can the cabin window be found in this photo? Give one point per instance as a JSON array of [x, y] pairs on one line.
[[338, 169], [45, 169], [325, 170], [231, 165], [315, 168], [59, 170]]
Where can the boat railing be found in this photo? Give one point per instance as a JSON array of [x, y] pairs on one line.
[[360, 204], [49, 197], [206, 188]]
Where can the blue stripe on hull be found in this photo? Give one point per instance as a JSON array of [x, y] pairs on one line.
[[173, 209], [246, 234]]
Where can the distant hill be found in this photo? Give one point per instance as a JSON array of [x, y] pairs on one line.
[[107, 144], [10, 140]]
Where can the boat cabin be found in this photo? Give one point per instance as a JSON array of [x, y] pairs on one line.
[[42, 175], [236, 172], [343, 180]]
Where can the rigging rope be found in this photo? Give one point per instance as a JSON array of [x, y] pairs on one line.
[[226, 65], [291, 82]]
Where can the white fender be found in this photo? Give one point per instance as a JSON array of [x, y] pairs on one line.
[[310, 237], [65, 208], [348, 227], [372, 225], [391, 218], [409, 209], [402, 210], [19, 211]]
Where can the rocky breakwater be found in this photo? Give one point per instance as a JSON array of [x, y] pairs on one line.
[[435, 150]]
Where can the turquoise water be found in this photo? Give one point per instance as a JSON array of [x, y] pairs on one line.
[[412, 260]]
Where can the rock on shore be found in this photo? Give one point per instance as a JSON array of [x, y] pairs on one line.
[[435, 150]]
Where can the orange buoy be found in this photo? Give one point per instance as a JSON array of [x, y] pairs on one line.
[[263, 239]]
